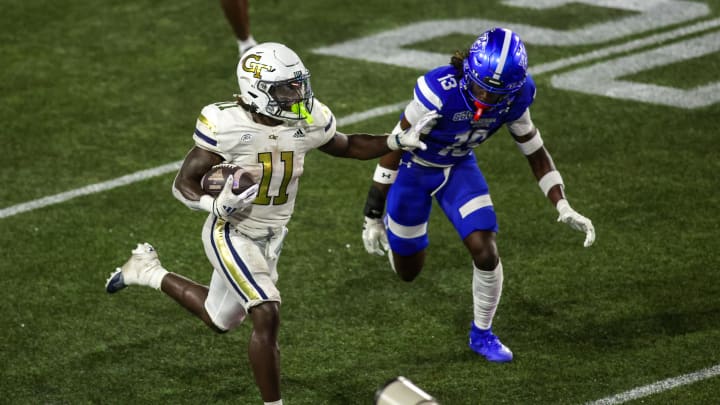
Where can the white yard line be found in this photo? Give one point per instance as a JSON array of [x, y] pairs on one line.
[[626, 47], [91, 189], [660, 386]]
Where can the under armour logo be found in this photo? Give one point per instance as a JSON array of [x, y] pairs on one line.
[[385, 175]]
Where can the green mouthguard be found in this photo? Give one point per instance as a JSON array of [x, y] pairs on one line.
[[299, 109]]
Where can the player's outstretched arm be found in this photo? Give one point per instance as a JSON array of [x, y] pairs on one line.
[[365, 146], [551, 183], [356, 146]]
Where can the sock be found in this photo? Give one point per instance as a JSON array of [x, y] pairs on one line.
[[487, 288], [156, 277], [278, 402], [244, 45]]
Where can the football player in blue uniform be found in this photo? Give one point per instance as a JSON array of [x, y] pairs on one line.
[[463, 104]]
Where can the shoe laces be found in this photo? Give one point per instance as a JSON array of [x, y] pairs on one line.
[[487, 339], [491, 341]]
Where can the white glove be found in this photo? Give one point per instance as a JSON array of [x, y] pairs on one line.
[[576, 221], [227, 202], [374, 236], [409, 139]]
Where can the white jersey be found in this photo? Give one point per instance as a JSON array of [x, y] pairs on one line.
[[274, 155]]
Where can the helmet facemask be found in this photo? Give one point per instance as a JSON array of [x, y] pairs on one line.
[[290, 99], [483, 92]]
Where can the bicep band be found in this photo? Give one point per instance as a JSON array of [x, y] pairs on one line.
[[384, 176], [531, 146], [549, 180]]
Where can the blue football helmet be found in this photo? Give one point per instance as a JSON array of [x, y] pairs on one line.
[[495, 68]]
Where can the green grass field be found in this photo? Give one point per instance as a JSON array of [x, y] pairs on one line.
[[91, 91]]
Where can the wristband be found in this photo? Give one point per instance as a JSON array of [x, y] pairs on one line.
[[206, 203], [384, 176], [549, 180]]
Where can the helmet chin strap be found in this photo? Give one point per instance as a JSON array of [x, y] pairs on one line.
[[478, 113]]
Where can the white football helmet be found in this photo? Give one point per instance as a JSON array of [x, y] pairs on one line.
[[274, 82]]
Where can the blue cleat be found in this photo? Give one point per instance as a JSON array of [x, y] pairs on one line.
[[486, 344]]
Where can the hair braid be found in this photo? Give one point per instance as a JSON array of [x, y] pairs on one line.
[[457, 60]]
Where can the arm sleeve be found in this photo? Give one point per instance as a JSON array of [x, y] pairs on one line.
[[521, 126]]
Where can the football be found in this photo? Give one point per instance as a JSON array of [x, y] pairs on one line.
[[214, 180]]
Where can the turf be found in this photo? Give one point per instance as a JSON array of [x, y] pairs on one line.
[[90, 91]]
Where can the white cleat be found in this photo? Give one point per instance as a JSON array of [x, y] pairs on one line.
[[143, 268]]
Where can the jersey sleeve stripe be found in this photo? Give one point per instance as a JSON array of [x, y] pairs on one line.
[[330, 123], [426, 96], [205, 138], [206, 122]]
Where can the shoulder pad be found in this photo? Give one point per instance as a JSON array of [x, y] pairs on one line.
[[432, 88], [213, 119], [323, 117]]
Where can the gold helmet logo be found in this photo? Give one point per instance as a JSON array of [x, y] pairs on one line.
[[254, 67]]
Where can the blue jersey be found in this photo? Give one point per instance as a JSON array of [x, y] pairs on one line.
[[447, 170], [456, 134]]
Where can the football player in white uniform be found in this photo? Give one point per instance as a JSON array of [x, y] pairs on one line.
[[268, 130]]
